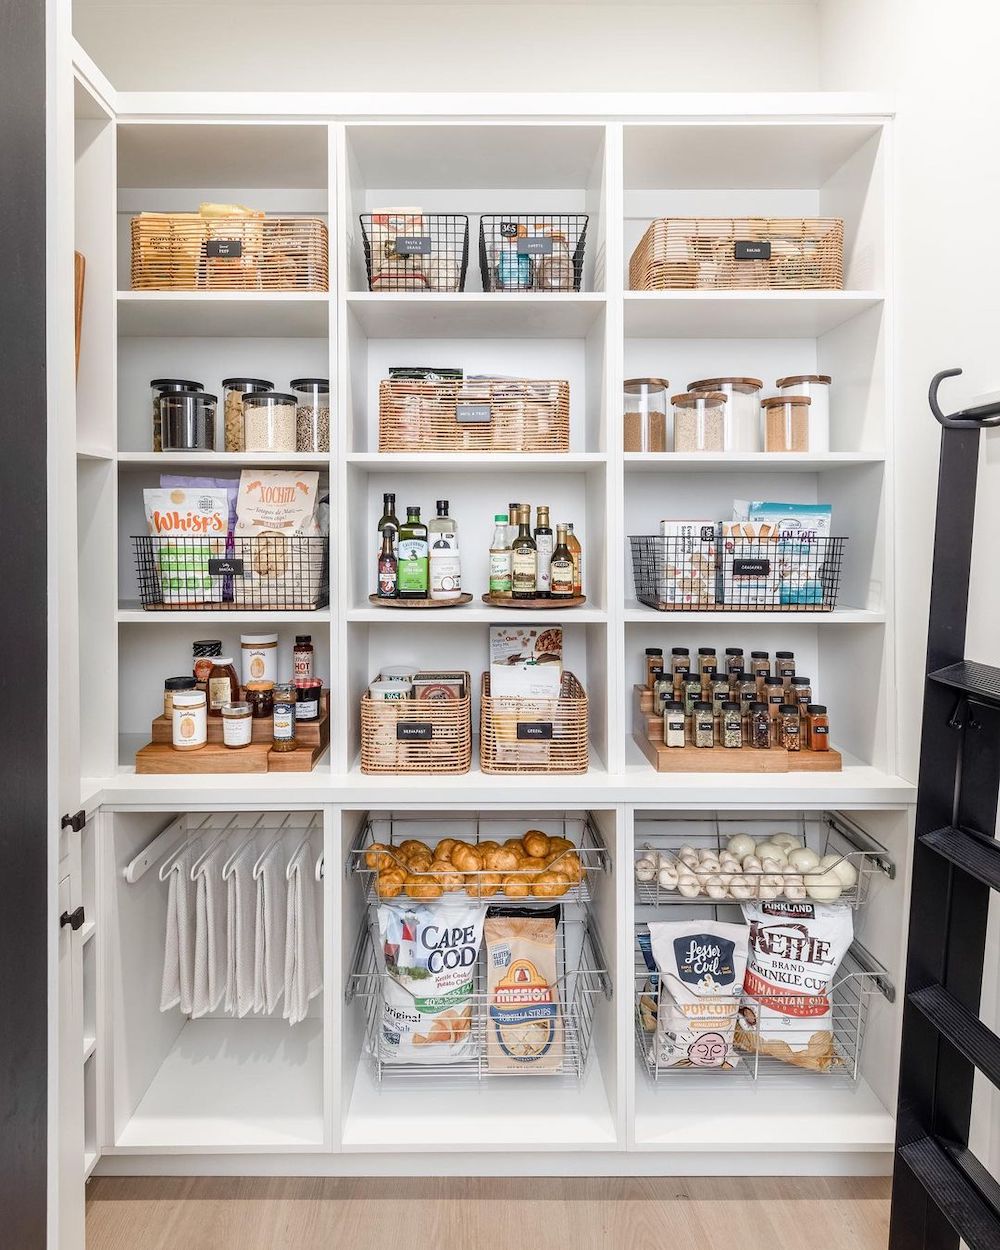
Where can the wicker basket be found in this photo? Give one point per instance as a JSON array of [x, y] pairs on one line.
[[487, 415], [524, 735], [414, 736], [740, 253], [189, 252]]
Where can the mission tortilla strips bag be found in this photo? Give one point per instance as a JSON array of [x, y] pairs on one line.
[[525, 1024], [795, 951]]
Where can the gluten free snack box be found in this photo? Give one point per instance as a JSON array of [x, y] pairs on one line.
[[526, 662]]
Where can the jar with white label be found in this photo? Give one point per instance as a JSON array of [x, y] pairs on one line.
[[741, 424], [259, 657], [190, 720], [283, 720], [699, 421], [816, 388], [237, 725]]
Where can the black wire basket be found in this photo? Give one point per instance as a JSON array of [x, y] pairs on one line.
[[416, 251], [698, 573], [532, 251], [261, 574]]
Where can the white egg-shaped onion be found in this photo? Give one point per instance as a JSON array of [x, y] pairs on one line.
[[823, 887], [770, 850], [787, 841], [740, 844], [845, 871], [688, 886], [645, 870], [802, 859]]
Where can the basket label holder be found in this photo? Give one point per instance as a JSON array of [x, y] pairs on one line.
[[414, 731], [223, 249], [473, 414], [751, 249]]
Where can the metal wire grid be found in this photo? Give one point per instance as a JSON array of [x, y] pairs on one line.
[[276, 573], [532, 251], [580, 981], [858, 979], [416, 251], [590, 847], [825, 834], [695, 574]]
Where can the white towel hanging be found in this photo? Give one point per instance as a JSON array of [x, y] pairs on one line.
[[241, 913], [269, 939], [210, 946], [303, 966], [177, 987]]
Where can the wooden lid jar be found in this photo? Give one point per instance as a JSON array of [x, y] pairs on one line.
[[816, 388], [741, 428], [786, 423], [645, 414], [699, 421]]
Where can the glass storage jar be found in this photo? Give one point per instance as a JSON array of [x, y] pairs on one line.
[[269, 422], [786, 423], [673, 724], [800, 691], [163, 386], [731, 725], [237, 725], [654, 665], [187, 420], [816, 388], [704, 725], [817, 727], [759, 735], [312, 415], [789, 728], [285, 699], [645, 409], [699, 421], [308, 690], [741, 427], [260, 696], [223, 685], [233, 390]]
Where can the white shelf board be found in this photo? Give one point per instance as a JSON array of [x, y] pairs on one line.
[[86, 451], [90, 1159], [741, 462], [477, 461], [479, 614], [741, 314], [636, 612], [223, 314], [89, 1046], [138, 460], [806, 1113], [129, 613], [231, 1085], [524, 1113], [512, 315]]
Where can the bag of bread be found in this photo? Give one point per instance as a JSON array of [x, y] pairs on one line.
[[525, 1024], [430, 951], [795, 951], [701, 965]]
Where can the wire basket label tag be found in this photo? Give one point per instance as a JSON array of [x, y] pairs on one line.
[[225, 568], [473, 414], [534, 731], [750, 249], [534, 247], [751, 568], [414, 731], [413, 245], [224, 249]]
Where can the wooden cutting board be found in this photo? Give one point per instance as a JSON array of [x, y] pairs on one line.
[[162, 759]]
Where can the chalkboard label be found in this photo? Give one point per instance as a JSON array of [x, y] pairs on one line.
[[414, 731], [413, 244], [750, 249], [534, 731], [224, 249], [534, 247], [473, 414], [751, 568], [225, 568]]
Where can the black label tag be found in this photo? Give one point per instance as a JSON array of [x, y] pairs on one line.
[[414, 731], [821, 729], [751, 568], [225, 568], [534, 247], [508, 230], [750, 249], [224, 249], [534, 731], [473, 414], [413, 245]]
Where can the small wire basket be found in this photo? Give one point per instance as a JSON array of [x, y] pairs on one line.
[[416, 251], [696, 574], [532, 252]]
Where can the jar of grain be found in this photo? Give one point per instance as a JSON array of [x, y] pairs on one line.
[[741, 427], [269, 422], [187, 421], [816, 388], [312, 418], [786, 423], [645, 408], [233, 390], [699, 421], [163, 386]]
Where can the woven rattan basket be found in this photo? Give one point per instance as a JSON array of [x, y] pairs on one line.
[[740, 253], [524, 735], [417, 736], [190, 252], [486, 415]]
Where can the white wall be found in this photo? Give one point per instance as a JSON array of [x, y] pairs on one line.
[[222, 45]]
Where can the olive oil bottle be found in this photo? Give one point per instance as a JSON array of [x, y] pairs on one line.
[[413, 557], [524, 557]]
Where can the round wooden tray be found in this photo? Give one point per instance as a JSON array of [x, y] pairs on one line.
[[535, 605], [420, 603]]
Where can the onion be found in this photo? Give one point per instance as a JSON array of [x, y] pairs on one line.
[[740, 844]]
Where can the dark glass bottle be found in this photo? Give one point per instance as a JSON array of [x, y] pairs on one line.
[[389, 520], [387, 567], [524, 558]]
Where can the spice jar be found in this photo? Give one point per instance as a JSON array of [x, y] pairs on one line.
[[760, 666], [692, 692], [745, 693], [223, 685], [774, 695], [800, 692], [734, 660], [312, 414], [172, 686], [817, 728], [163, 386], [699, 421], [307, 701], [260, 696], [654, 664], [190, 726], [673, 723], [704, 725], [816, 388], [719, 690], [741, 427], [663, 691], [233, 390], [784, 665], [786, 423], [285, 699], [204, 653], [237, 725], [707, 658], [269, 422], [680, 662], [259, 657], [760, 726], [645, 411], [788, 727], [187, 420], [731, 729]]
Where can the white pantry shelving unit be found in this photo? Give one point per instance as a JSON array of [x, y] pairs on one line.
[[166, 1094]]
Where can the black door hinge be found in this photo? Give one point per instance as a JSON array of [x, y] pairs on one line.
[[75, 919], [75, 822]]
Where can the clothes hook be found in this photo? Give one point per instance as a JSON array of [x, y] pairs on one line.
[[984, 416]]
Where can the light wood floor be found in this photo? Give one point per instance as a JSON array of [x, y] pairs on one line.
[[588, 1214]]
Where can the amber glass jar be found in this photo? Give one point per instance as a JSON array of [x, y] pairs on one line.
[[223, 685]]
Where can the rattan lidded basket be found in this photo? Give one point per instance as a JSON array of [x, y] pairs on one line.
[[505, 720], [417, 736]]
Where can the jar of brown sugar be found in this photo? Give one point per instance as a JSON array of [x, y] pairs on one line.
[[645, 414], [786, 423]]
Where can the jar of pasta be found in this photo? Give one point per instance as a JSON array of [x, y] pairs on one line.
[[786, 423], [699, 421], [233, 390]]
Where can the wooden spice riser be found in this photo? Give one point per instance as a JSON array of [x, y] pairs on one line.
[[314, 733], [535, 605], [460, 602], [158, 758]]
